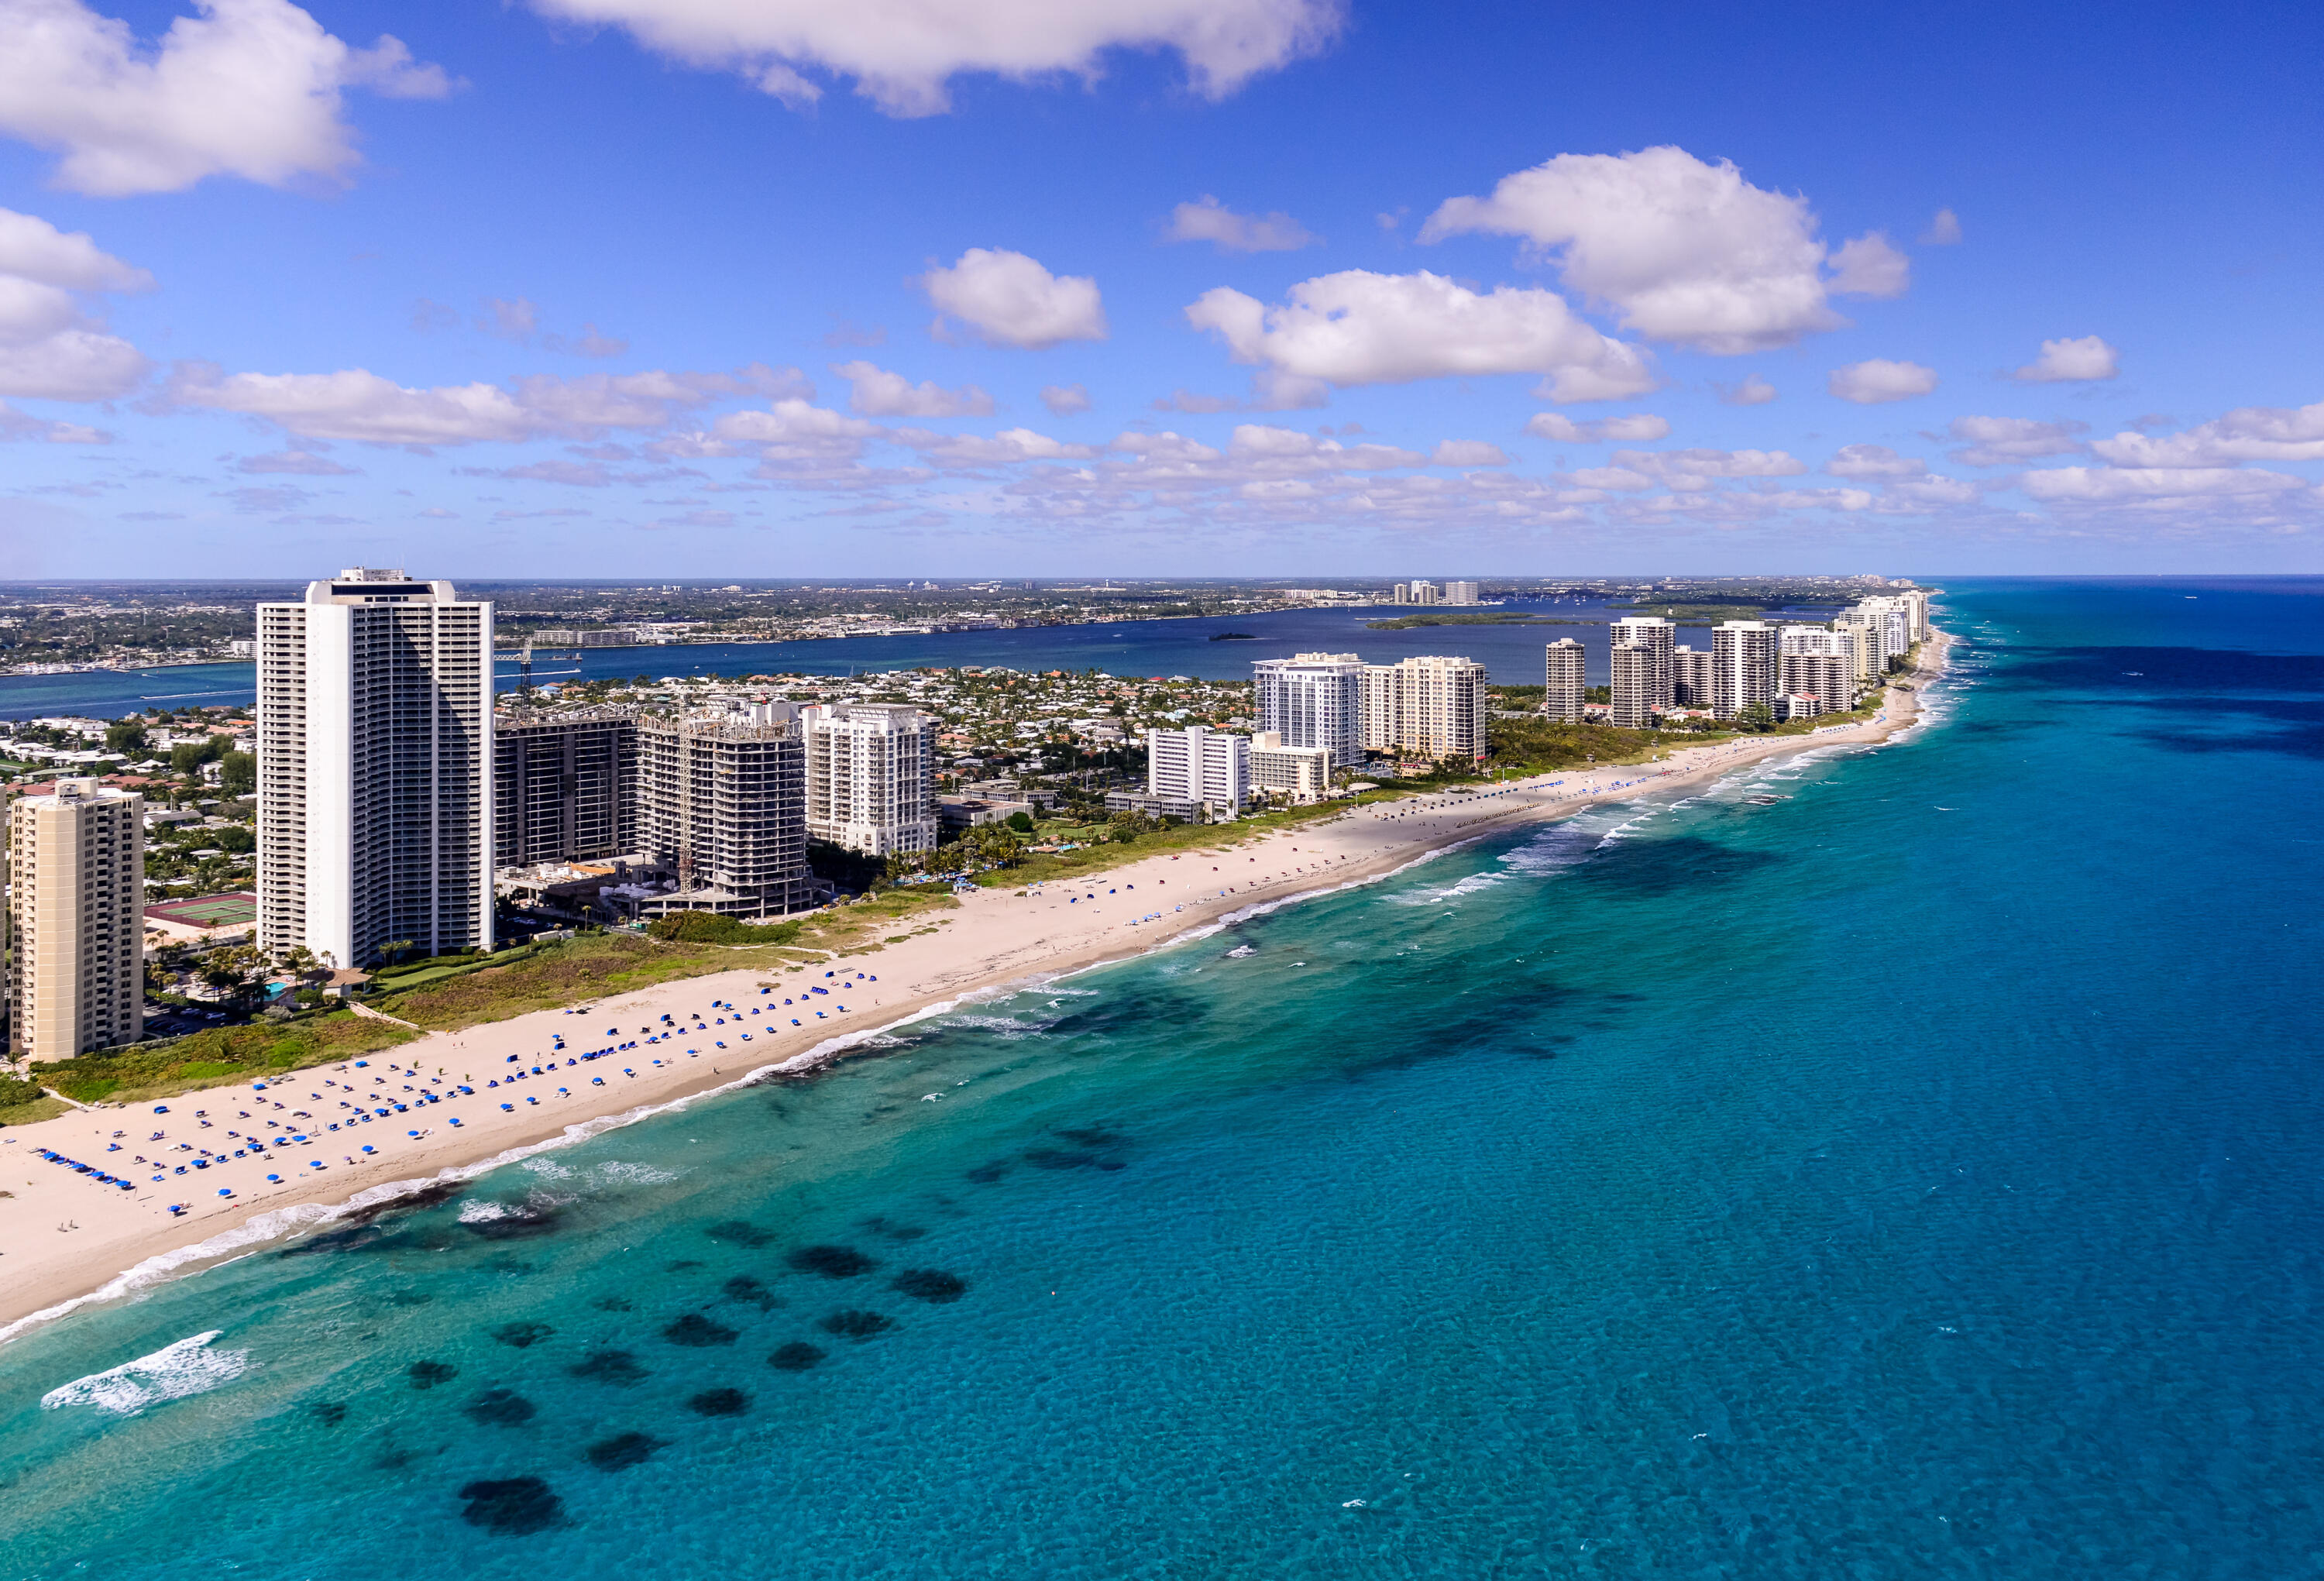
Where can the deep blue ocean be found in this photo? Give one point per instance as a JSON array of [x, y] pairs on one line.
[[1921, 1175], [1512, 654]]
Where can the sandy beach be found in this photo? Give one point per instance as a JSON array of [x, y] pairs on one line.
[[66, 1239]]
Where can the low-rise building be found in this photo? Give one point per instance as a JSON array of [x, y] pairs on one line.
[[973, 812], [1300, 774]]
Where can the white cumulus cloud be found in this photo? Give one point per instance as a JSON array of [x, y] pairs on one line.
[[1873, 460], [1009, 300], [2251, 433], [1753, 391], [902, 54], [877, 393], [1467, 453], [2108, 485], [1636, 429], [2000, 441], [1944, 230], [356, 404], [51, 347], [1357, 327], [2071, 361], [1869, 266], [1879, 379], [1064, 399], [1210, 221], [246, 87], [1680, 250]]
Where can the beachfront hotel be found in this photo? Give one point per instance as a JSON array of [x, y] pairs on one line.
[[375, 749], [1565, 681], [870, 777], [1313, 700], [76, 920]]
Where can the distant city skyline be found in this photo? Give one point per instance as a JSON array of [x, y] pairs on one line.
[[629, 288]]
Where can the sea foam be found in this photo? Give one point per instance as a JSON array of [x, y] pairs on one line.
[[175, 1371]]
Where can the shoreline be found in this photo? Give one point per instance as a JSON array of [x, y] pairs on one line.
[[67, 1242]]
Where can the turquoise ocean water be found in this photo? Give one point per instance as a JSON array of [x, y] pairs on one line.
[[1919, 1176]]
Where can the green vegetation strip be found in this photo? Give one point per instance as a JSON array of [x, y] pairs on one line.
[[143, 1070]]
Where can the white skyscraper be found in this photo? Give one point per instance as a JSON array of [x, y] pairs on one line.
[[870, 777], [1198, 763], [76, 920], [1744, 666], [1643, 669], [1460, 592], [1315, 700], [375, 769]]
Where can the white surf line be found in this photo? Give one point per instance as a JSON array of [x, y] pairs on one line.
[[231, 1245]]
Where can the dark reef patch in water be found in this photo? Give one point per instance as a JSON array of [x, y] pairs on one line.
[[882, 1226], [352, 1232], [514, 1506], [853, 1323], [608, 1367], [796, 1357], [719, 1403], [351, 1238], [523, 1336], [329, 1412], [830, 1261], [740, 1233], [695, 1329], [502, 1408], [428, 1374], [614, 1303], [514, 1224], [1096, 1136], [744, 1287], [681, 1265], [623, 1450], [930, 1284], [985, 1174]]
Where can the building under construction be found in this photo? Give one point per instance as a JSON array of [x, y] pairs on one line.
[[565, 786], [722, 802]]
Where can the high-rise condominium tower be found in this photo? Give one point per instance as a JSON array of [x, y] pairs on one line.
[[1744, 668], [721, 799], [1567, 683], [376, 769], [76, 920], [1315, 700], [564, 784], [870, 777], [1198, 763], [1643, 669], [1432, 706]]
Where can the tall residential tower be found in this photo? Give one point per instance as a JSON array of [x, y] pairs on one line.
[[76, 920], [375, 769]]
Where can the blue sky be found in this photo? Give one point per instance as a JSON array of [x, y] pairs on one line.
[[768, 288]]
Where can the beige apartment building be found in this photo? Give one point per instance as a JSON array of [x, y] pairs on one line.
[[76, 920], [1429, 707]]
